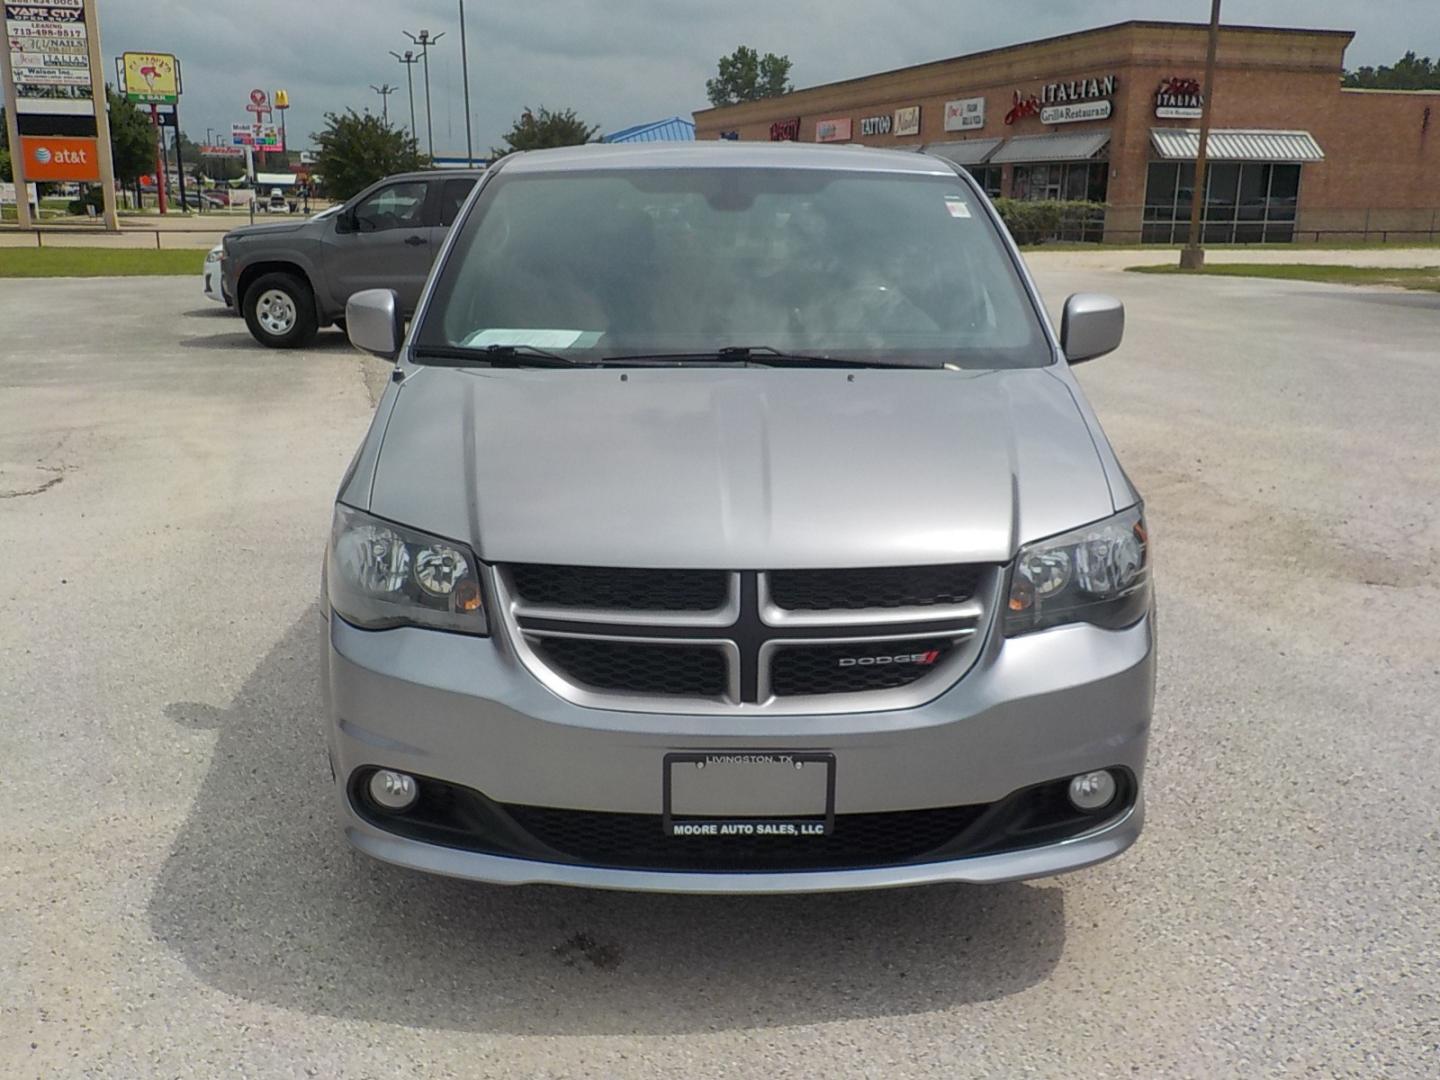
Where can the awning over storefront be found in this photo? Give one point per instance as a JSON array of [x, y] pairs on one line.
[[965, 151], [1234, 144], [1081, 146]]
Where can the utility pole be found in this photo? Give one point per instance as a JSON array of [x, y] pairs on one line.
[[384, 90], [465, 75], [409, 60], [425, 40], [1192, 256]]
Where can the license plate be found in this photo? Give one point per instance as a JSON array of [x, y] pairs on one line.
[[747, 794]]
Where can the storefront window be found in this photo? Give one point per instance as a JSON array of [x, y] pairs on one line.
[[1074, 181], [1245, 202], [987, 176]]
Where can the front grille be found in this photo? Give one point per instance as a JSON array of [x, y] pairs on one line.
[[637, 840], [609, 588], [854, 667], [707, 641], [628, 667], [880, 587]]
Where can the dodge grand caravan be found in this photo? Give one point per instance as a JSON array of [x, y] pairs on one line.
[[733, 522]]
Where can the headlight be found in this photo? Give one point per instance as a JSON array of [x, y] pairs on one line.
[[214, 255], [1097, 574], [381, 575]]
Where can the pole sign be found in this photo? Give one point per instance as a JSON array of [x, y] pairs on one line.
[[214, 150], [256, 136], [259, 102], [151, 78], [54, 157], [49, 46]]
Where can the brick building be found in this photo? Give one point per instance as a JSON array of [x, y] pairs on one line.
[[1112, 115]]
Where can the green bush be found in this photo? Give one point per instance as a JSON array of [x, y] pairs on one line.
[[93, 197], [1035, 222]]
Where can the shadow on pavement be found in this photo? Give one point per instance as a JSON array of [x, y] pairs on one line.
[[325, 341], [263, 899]]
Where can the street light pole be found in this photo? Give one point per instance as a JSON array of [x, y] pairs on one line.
[[384, 90], [425, 40], [465, 76], [409, 60], [1192, 256]]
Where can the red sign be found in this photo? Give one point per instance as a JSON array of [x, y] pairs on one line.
[[1024, 106], [53, 157], [785, 130]]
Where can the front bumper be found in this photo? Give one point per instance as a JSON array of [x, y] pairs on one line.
[[463, 710], [214, 284]]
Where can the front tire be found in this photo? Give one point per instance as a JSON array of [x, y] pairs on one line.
[[279, 309]]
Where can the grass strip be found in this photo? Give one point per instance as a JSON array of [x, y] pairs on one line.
[[97, 262]]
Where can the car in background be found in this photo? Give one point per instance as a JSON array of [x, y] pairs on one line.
[[213, 275], [292, 278], [214, 283]]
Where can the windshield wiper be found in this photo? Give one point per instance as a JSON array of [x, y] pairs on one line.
[[494, 356], [765, 355]]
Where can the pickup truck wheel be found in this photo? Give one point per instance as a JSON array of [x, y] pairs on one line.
[[280, 311]]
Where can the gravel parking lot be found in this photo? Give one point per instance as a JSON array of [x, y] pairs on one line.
[[177, 901]]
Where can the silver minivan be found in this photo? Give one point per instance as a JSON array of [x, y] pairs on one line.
[[733, 522]]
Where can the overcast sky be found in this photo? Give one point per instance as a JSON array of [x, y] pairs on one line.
[[621, 62]]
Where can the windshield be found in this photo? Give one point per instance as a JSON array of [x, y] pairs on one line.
[[885, 268]]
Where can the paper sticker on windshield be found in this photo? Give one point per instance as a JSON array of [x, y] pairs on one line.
[[957, 206], [534, 337]]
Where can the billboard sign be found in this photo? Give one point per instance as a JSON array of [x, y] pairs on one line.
[[48, 45], [53, 157], [260, 136], [151, 78]]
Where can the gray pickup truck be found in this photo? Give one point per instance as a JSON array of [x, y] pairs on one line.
[[290, 279]]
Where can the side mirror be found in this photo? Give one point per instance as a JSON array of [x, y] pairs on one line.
[[373, 323], [1092, 326], [345, 221]]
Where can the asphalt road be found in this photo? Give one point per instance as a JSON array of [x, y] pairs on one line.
[[175, 899]]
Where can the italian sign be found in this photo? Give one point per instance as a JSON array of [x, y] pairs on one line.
[[1069, 114], [1179, 98], [965, 114], [52, 157], [151, 78], [832, 130], [907, 120]]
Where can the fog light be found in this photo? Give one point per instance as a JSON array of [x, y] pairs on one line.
[[397, 790], [1091, 790]]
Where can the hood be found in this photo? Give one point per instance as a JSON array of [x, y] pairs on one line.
[[738, 468], [244, 231]]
